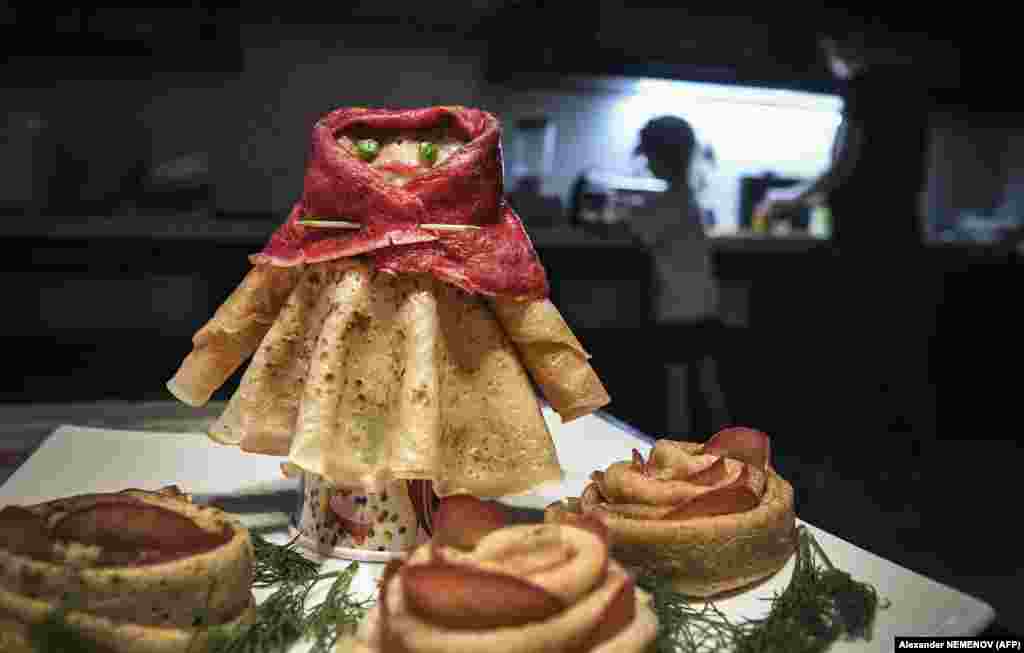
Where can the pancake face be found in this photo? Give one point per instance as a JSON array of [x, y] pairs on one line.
[[401, 155], [394, 189]]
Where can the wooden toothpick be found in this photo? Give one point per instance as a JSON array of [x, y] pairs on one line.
[[449, 227], [330, 224], [344, 224]]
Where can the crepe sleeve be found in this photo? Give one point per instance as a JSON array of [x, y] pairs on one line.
[[553, 355], [233, 333]]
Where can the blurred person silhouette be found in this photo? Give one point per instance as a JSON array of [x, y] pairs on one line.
[[847, 63], [882, 300], [690, 332]]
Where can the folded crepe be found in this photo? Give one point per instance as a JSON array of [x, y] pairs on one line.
[[401, 344], [556, 359], [234, 333], [709, 517], [368, 377], [519, 589]]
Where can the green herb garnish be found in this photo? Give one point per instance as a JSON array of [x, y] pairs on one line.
[[428, 153], [55, 634], [282, 619], [820, 605], [278, 624], [280, 564], [339, 611], [682, 626], [367, 149]]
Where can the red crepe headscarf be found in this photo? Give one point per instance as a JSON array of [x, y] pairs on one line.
[[497, 259]]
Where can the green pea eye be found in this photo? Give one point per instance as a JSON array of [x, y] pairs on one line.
[[428, 153], [367, 149]]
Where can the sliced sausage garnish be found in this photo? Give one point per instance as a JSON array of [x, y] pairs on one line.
[[712, 475], [424, 503], [639, 463], [741, 443], [616, 616], [122, 528], [736, 497], [463, 597], [462, 520]]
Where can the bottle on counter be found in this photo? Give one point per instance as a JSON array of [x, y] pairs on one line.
[[821, 222]]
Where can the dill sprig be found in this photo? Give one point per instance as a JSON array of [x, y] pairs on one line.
[[282, 618], [277, 564], [55, 634], [685, 626], [338, 611], [278, 624], [820, 605], [280, 621]]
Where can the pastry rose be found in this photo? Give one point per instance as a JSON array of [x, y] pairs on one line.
[[521, 588], [137, 571], [711, 517]]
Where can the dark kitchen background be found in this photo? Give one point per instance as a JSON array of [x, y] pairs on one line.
[[146, 153]]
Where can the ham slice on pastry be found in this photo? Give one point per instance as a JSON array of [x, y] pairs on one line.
[[520, 589], [149, 570], [713, 517]]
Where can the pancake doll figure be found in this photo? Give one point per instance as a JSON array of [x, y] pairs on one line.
[[397, 327]]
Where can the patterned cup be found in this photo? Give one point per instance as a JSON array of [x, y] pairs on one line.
[[353, 524]]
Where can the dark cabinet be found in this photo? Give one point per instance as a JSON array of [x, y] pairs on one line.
[[113, 317]]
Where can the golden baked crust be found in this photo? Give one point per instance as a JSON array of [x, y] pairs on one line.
[[233, 333], [591, 590], [555, 358], [139, 607], [366, 377], [110, 636], [703, 556]]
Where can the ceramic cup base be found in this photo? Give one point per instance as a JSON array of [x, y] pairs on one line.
[[352, 524]]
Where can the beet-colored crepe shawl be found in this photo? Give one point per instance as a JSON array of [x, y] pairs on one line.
[[497, 259]]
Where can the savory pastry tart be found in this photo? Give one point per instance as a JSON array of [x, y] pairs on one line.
[[135, 571], [712, 517], [517, 589], [397, 322]]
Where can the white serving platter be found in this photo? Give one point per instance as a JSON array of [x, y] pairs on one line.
[[75, 460]]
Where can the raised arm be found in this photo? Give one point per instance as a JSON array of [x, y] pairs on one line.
[[845, 152]]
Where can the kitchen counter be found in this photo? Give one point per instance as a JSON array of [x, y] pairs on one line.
[[182, 226], [85, 293], [255, 231]]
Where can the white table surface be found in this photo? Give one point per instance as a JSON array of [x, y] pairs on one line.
[[76, 459]]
